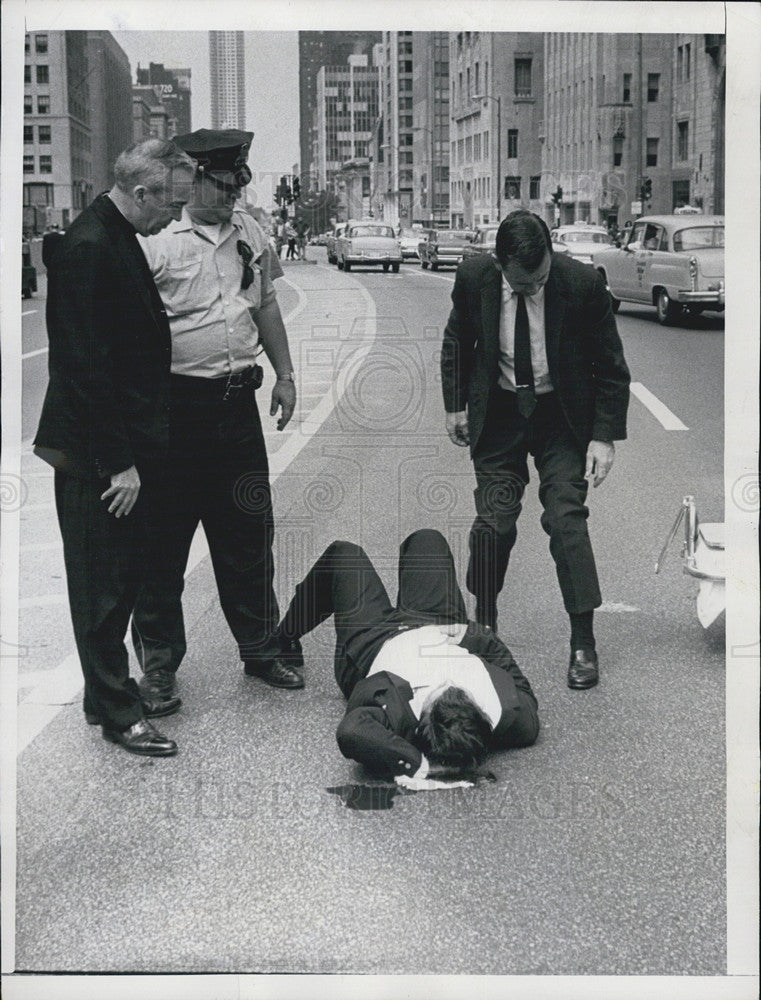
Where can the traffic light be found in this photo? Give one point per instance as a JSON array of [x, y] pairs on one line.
[[648, 189], [296, 188], [288, 194], [558, 195]]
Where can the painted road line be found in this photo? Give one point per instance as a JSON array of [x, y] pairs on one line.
[[28, 312], [34, 354], [617, 608], [42, 601], [659, 410]]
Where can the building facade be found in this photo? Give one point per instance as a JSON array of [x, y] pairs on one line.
[[175, 94], [228, 101], [496, 100], [150, 116], [346, 108], [318, 49], [608, 125], [110, 83], [393, 197], [58, 177], [430, 128]]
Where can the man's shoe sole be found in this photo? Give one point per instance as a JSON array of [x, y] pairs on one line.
[[250, 672], [575, 686]]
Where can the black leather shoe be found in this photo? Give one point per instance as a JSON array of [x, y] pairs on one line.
[[275, 672], [142, 738], [583, 669], [158, 693]]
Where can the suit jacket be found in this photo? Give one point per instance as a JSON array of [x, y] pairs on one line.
[[106, 406], [584, 351], [378, 729]]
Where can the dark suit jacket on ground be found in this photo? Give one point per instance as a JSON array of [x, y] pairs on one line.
[[379, 724], [584, 350], [106, 405]]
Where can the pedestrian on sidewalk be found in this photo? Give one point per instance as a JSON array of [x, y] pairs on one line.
[[290, 236], [104, 425], [212, 270], [532, 363], [302, 231], [427, 690]]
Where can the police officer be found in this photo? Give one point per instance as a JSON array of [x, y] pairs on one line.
[[212, 270]]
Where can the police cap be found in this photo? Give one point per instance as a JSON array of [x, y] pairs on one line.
[[219, 152]]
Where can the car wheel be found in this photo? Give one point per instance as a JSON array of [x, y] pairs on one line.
[[386, 267], [340, 264], [347, 266], [434, 266], [27, 293], [668, 311], [331, 260], [395, 268], [424, 264]]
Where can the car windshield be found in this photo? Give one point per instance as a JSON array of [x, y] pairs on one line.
[[699, 237], [487, 236], [583, 237], [372, 231], [450, 237]]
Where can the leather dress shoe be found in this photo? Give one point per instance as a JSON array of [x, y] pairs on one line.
[[158, 693], [141, 738], [275, 672], [583, 669]]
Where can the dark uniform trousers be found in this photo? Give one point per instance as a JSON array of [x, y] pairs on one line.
[[343, 582], [104, 558], [500, 463], [217, 474]]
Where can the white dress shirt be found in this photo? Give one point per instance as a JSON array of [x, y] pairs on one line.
[[535, 311]]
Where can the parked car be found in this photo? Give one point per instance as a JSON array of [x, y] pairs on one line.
[[484, 241], [28, 271], [330, 242], [581, 240], [368, 243], [673, 262], [408, 241], [443, 246]]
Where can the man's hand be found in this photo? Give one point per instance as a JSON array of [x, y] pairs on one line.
[[123, 492], [600, 455], [457, 428], [283, 396]]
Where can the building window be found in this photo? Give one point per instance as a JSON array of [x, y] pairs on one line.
[[28, 135], [652, 153], [477, 85], [682, 140], [27, 104], [653, 83], [42, 74], [467, 78], [486, 145], [26, 44], [618, 152], [46, 164], [28, 164], [687, 61], [513, 187], [627, 94], [512, 143], [27, 74], [679, 63], [44, 134], [43, 104], [41, 43], [523, 77], [534, 188]]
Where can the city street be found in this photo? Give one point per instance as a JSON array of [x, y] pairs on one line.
[[597, 851]]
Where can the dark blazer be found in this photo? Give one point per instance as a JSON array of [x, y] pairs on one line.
[[106, 406], [584, 351], [379, 726]]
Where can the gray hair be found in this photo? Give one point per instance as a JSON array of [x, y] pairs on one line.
[[150, 163]]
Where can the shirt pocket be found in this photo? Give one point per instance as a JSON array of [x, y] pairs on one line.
[[182, 286]]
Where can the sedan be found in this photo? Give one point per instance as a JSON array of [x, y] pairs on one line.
[[673, 262], [581, 240], [443, 246], [484, 241], [368, 243], [408, 241]]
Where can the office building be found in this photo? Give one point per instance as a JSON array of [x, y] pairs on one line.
[[175, 93], [430, 128], [346, 108], [150, 115], [228, 100], [110, 83]]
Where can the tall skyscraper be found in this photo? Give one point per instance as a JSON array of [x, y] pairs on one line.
[[347, 106], [318, 49], [228, 100]]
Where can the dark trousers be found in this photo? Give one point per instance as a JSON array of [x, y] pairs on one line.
[[500, 462], [343, 582], [218, 475], [103, 558]]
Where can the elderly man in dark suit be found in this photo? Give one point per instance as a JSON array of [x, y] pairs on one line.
[[428, 691], [532, 363], [104, 423]]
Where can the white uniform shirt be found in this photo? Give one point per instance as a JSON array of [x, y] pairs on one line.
[[535, 311], [428, 656], [198, 272]]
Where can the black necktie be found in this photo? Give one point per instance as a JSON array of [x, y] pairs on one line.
[[524, 374]]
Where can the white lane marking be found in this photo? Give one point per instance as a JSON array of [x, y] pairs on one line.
[[34, 354], [42, 601], [28, 312], [659, 410], [617, 608], [63, 685]]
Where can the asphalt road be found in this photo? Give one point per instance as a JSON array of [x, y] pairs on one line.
[[600, 850]]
